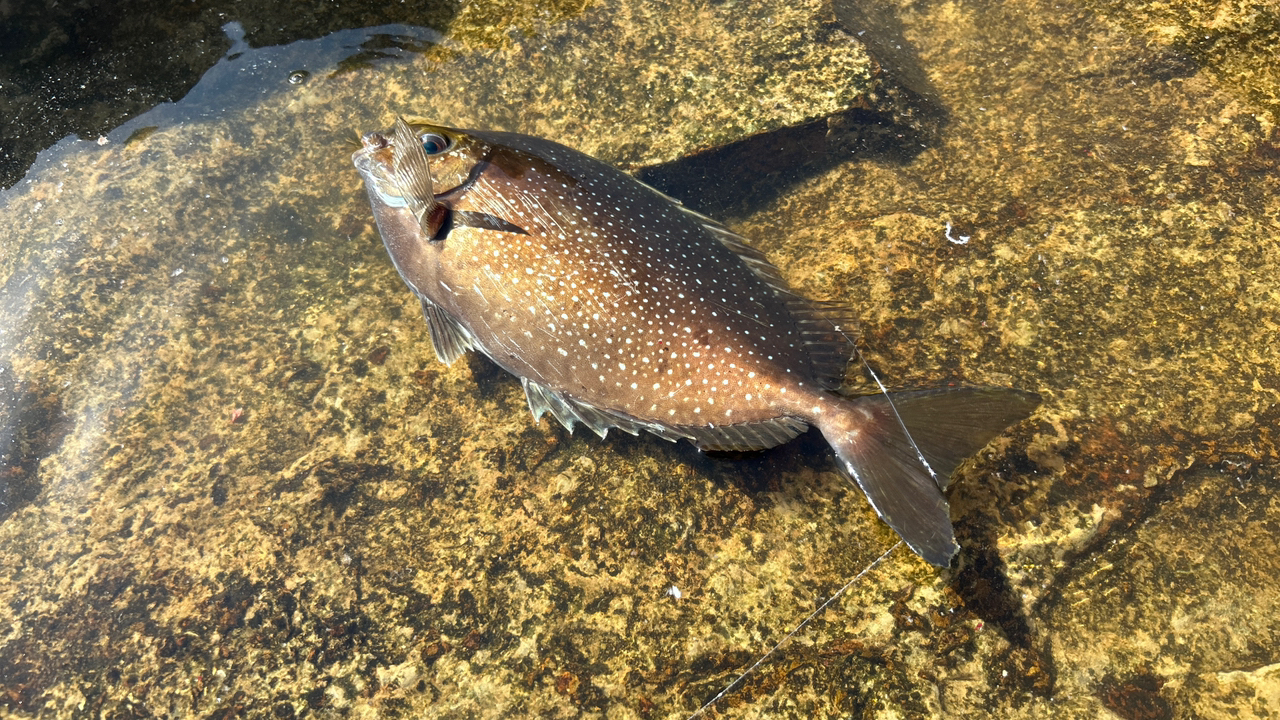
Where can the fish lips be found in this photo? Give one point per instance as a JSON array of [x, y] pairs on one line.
[[373, 162]]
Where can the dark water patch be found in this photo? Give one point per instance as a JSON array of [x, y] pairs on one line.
[[32, 426], [342, 483], [1166, 64], [1136, 697], [115, 609], [64, 71]]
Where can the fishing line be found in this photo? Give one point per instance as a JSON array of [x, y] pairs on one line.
[[901, 424], [928, 468], [803, 624]]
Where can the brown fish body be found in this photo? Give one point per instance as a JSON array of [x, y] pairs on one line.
[[618, 307]]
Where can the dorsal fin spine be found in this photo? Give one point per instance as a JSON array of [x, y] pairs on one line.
[[819, 324]]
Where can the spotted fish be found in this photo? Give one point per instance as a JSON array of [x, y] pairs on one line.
[[617, 307]]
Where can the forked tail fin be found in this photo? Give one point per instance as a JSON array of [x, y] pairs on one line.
[[947, 425]]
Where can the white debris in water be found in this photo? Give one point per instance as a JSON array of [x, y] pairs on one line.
[[674, 592], [958, 239], [102, 140], [176, 273]]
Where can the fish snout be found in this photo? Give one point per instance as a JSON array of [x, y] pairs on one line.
[[374, 141]]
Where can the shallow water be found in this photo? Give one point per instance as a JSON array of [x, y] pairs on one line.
[[235, 480]]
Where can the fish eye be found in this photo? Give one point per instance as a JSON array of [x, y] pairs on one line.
[[434, 143]]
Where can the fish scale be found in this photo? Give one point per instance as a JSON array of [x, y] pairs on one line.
[[618, 307]]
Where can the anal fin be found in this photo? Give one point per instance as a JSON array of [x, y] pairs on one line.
[[745, 436], [543, 399], [570, 411]]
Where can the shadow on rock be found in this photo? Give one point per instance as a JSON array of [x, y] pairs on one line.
[[901, 119]]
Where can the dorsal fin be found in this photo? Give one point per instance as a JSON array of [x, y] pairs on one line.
[[826, 329]]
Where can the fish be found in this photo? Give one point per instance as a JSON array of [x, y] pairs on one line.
[[618, 307]]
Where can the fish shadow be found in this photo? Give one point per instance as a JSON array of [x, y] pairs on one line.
[[981, 581], [736, 179], [754, 472], [759, 471], [903, 118]]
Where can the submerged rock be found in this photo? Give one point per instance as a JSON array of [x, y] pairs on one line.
[[248, 484]]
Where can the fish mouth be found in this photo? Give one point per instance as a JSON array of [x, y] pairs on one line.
[[374, 161], [372, 144]]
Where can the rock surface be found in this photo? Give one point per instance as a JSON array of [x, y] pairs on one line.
[[235, 481]]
